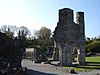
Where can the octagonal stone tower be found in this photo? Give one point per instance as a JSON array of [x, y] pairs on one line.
[[69, 35]]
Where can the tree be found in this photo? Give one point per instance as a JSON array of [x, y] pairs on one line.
[[23, 31], [22, 34], [43, 37], [4, 28], [8, 30], [93, 47], [11, 49], [43, 33], [88, 40], [30, 42]]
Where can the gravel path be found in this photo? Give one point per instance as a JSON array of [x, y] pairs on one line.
[[46, 69]]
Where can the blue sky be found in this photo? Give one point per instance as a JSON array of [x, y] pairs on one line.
[[35, 14]]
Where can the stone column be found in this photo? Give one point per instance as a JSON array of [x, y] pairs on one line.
[[82, 56], [60, 56], [56, 52], [65, 57], [69, 55]]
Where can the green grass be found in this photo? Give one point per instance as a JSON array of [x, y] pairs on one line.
[[91, 63], [93, 59]]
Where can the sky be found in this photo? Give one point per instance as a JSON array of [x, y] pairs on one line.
[[35, 14]]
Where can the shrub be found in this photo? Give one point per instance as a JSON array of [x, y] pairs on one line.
[[93, 47]]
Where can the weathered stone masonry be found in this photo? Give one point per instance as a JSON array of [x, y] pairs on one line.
[[68, 35]]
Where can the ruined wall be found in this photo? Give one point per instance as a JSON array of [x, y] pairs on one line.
[[68, 34]]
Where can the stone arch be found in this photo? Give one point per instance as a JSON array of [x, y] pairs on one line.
[[75, 53]]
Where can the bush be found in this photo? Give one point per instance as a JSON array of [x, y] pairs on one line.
[[93, 47]]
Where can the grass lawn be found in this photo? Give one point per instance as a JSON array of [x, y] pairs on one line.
[[91, 63]]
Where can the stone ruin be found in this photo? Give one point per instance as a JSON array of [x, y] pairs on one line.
[[11, 51], [69, 35], [35, 54]]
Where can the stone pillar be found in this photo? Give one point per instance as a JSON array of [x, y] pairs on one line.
[[62, 54], [69, 55], [65, 57], [82, 56], [56, 52], [80, 22]]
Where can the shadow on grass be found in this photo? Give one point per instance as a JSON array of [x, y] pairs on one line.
[[93, 63], [90, 65], [33, 72]]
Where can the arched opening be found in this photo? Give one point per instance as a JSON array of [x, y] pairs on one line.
[[75, 55]]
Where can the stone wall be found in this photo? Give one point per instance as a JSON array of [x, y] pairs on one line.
[[68, 35]]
